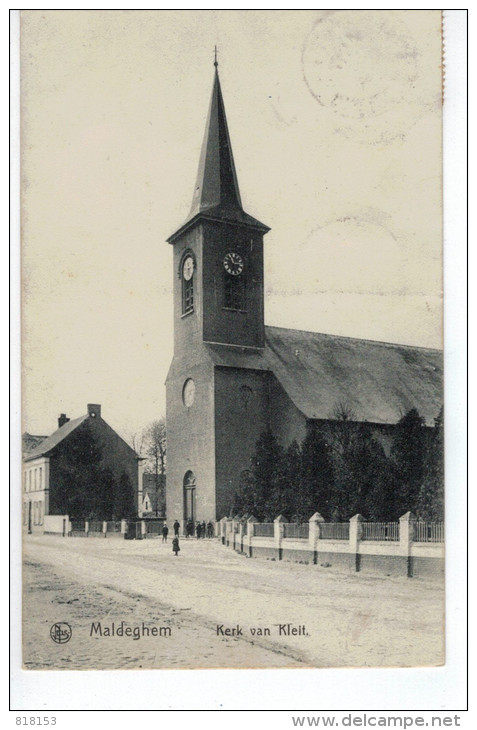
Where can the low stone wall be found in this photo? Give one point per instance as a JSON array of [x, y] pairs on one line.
[[396, 556], [56, 525]]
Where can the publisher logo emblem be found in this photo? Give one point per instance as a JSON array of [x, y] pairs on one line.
[[61, 632]]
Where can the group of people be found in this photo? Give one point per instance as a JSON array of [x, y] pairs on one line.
[[200, 528]]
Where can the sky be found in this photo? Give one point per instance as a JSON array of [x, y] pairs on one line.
[[335, 122]]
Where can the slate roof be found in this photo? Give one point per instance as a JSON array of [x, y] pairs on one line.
[[378, 381], [57, 437]]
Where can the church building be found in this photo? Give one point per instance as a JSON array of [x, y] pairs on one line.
[[232, 377]]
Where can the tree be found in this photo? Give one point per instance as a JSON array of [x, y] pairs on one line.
[[293, 492], [376, 483], [124, 503], [155, 447], [316, 477], [78, 470], [342, 433], [106, 495], [430, 502], [408, 453], [263, 493]]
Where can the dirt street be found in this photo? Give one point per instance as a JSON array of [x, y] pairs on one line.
[[210, 607]]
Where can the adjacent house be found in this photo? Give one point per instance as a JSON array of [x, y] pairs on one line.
[[153, 495], [85, 470]]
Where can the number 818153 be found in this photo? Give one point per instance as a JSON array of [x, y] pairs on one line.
[[35, 720]]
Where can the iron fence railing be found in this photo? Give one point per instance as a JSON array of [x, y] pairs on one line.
[[380, 531], [78, 525], [299, 531], [113, 526], [154, 528], [95, 526], [334, 530], [428, 531], [263, 529]]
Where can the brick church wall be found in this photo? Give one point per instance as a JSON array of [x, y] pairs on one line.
[[241, 415], [190, 441]]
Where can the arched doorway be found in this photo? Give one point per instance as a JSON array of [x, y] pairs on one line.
[[189, 497]]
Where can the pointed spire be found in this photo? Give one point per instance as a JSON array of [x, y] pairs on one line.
[[216, 192], [217, 183]]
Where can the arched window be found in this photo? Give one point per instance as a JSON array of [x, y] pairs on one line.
[[187, 272]]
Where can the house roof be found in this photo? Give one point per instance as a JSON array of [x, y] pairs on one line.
[[378, 381], [57, 437], [31, 441]]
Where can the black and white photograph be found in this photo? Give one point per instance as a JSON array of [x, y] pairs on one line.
[[232, 339]]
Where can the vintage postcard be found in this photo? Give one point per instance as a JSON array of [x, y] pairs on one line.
[[232, 346]]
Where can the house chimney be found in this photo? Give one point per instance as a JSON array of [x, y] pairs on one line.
[[62, 420], [94, 410]]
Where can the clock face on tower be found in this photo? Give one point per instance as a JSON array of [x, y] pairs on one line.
[[233, 264], [188, 268]]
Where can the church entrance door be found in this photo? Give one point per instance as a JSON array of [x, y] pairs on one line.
[[189, 497]]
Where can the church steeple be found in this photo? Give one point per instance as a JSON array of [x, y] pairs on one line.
[[217, 184], [216, 193]]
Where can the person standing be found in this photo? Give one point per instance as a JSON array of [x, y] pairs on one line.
[[175, 546], [210, 529], [176, 528], [197, 530], [165, 532]]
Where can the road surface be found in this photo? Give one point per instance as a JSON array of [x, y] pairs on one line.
[[210, 607]]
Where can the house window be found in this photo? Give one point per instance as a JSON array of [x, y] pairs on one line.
[[40, 477], [234, 291], [40, 513]]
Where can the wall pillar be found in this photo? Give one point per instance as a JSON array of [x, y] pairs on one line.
[[240, 536], [278, 534], [406, 538], [105, 527], [222, 523], [124, 526], [314, 535], [355, 531], [86, 527], [250, 523]]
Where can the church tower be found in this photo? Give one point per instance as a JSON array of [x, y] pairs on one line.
[[218, 306], [218, 251]]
